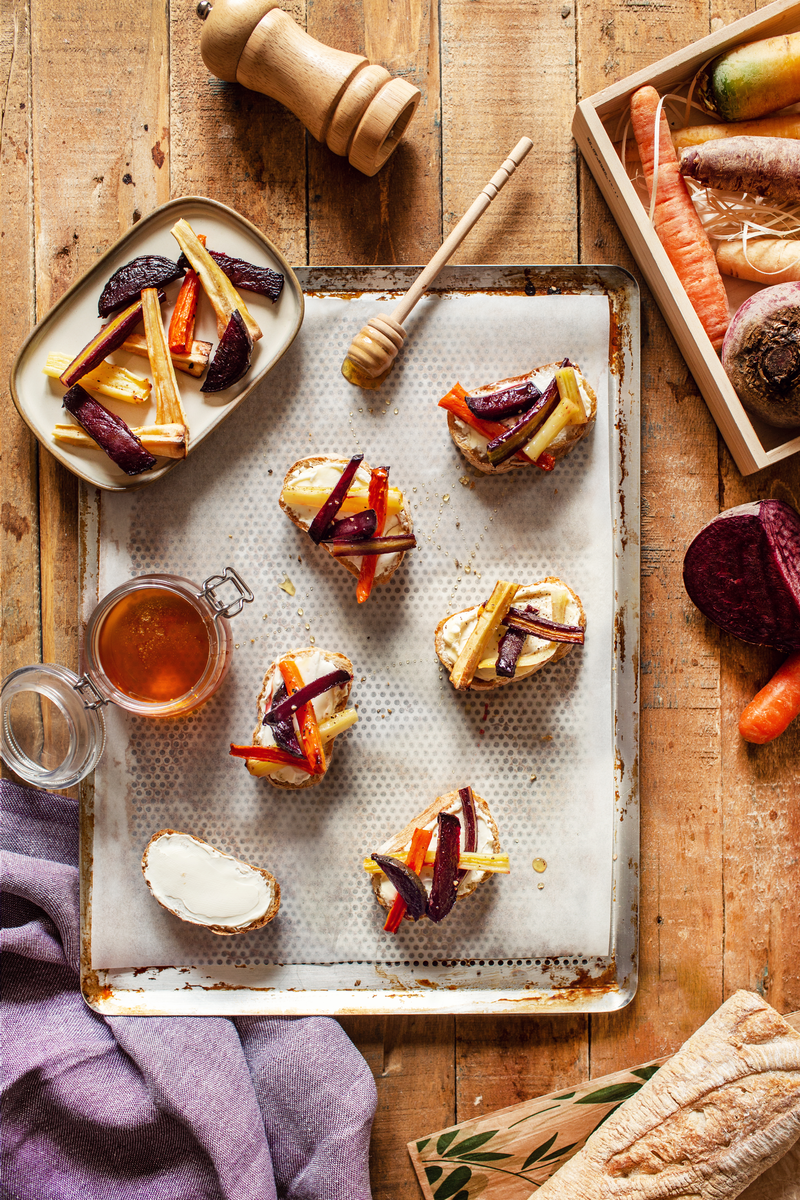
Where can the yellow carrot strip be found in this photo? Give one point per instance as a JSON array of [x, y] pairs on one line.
[[675, 218], [489, 617], [107, 379], [193, 362], [169, 409], [568, 411], [306, 717], [356, 500], [498, 864]]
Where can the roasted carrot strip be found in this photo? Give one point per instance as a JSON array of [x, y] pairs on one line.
[[675, 219], [378, 497], [271, 754], [310, 738], [775, 706], [181, 326], [420, 841]]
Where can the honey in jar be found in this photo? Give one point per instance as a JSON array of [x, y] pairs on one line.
[[153, 645]]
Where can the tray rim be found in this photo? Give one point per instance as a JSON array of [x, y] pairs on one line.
[[133, 234], [165, 990]]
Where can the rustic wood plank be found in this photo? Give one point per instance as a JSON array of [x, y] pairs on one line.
[[395, 216], [680, 911], [235, 145], [19, 505]]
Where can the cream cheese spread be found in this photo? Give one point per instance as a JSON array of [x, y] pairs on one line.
[[477, 442], [323, 477], [204, 886], [311, 666], [550, 599], [485, 845]]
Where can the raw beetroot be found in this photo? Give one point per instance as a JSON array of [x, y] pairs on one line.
[[743, 572]]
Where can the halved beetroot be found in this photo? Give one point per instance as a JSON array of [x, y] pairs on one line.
[[232, 358], [109, 431], [125, 285]]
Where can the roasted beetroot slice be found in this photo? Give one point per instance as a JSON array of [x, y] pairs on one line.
[[528, 622], [283, 731], [470, 825], [319, 526], [407, 882], [445, 868], [245, 275], [507, 402], [286, 709], [125, 285], [383, 545], [350, 529], [109, 431], [232, 357], [743, 572], [508, 443], [109, 338], [509, 649]]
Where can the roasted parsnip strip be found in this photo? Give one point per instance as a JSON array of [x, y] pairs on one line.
[[107, 379], [192, 363], [497, 863], [329, 727], [169, 409], [216, 285], [169, 441], [568, 411], [489, 617]]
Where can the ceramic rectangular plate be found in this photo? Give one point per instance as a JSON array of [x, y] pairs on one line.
[[74, 321]]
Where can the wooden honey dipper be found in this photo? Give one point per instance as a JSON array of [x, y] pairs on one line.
[[373, 351], [355, 107]]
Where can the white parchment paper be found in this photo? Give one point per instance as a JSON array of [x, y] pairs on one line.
[[540, 751]]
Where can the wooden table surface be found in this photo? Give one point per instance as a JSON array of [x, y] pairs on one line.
[[108, 112]]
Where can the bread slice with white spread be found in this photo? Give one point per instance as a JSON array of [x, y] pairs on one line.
[[552, 599], [318, 475], [472, 444], [312, 664], [713, 1118], [203, 886], [487, 839]]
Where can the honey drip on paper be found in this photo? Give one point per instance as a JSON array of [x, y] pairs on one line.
[[153, 645]]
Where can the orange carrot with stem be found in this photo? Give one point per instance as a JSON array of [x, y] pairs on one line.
[[675, 218], [775, 706], [378, 496], [420, 841], [310, 738]]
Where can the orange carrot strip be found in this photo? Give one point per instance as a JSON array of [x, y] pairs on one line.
[[420, 841], [455, 403], [271, 754], [378, 495], [306, 718], [181, 326], [775, 706], [675, 218]]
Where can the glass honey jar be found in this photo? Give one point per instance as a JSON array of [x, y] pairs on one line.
[[157, 646]]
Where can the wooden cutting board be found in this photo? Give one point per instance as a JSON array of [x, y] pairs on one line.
[[508, 1154]]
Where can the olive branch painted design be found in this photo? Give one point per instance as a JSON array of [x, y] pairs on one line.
[[525, 1145]]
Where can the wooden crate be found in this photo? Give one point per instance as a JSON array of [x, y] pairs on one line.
[[753, 444]]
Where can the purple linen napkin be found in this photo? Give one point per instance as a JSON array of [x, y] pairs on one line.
[[154, 1108]]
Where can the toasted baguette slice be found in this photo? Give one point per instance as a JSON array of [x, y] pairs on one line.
[[473, 445], [488, 844], [315, 465], [721, 1111], [180, 869], [453, 630], [313, 663]]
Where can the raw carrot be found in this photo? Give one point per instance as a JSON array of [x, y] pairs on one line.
[[310, 738], [775, 706], [271, 754], [378, 496], [675, 219], [420, 841]]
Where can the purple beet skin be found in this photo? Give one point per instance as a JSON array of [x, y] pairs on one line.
[[743, 572]]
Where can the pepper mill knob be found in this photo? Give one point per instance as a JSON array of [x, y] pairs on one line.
[[355, 107]]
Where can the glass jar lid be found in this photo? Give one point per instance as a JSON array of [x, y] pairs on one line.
[[51, 734]]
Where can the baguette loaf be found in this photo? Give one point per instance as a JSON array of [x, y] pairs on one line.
[[473, 445], [186, 874], [313, 663], [453, 630], [450, 802], [721, 1111], [327, 469]]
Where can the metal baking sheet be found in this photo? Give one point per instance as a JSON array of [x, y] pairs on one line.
[[556, 756]]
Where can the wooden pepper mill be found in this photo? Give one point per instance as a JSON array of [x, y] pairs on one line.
[[356, 108]]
